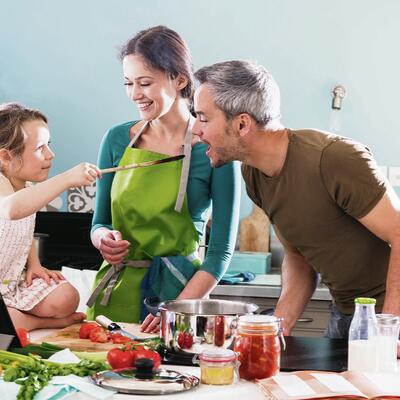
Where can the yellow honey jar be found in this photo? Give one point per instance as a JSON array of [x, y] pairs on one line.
[[217, 366]]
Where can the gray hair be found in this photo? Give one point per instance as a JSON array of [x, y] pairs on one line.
[[243, 87]]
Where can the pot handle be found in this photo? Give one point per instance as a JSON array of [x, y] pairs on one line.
[[151, 304], [267, 311]]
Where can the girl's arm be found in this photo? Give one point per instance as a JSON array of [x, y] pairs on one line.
[[27, 201]]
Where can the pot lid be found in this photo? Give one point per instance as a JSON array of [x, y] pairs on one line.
[[161, 381]]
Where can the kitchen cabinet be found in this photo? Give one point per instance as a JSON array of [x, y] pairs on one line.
[[312, 323], [264, 291]]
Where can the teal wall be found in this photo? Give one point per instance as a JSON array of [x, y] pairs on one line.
[[60, 56]]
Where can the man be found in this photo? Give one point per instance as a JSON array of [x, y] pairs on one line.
[[329, 205]]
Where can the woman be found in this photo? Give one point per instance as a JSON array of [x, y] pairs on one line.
[[148, 221]]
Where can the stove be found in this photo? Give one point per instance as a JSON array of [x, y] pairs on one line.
[[302, 353], [68, 242]]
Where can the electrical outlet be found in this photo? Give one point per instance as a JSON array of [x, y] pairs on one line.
[[394, 176]]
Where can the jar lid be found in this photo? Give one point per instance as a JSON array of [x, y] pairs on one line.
[[220, 355], [387, 319], [364, 300], [258, 320]]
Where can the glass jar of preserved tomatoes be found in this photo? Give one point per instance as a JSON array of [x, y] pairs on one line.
[[258, 347]]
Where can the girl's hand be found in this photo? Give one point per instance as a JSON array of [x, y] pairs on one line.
[[113, 248], [82, 174], [151, 324], [37, 271]]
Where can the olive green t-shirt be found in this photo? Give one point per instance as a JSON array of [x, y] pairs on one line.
[[326, 184]]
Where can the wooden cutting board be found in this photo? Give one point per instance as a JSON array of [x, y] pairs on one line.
[[254, 232], [69, 338]]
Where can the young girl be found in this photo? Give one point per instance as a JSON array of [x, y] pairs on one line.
[[35, 296]]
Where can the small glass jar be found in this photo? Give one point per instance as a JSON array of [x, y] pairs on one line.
[[385, 342], [217, 366], [258, 347]]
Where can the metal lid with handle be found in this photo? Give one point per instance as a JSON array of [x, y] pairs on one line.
[[137, 381]]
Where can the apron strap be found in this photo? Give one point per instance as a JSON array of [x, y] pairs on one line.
[[138, 133], [187, 151], [175, 271], [110, 279]]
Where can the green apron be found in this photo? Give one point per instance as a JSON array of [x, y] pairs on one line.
[[149, 208]]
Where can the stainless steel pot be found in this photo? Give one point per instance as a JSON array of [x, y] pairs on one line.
[[40, 240], [193, 325]]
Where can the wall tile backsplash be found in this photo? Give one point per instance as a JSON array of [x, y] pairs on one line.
[[81, 199]]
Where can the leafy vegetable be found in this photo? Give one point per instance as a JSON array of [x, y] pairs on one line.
[[44, 350], [91, 355], [33, 373]]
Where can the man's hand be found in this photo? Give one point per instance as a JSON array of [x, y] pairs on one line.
[[37, 271]]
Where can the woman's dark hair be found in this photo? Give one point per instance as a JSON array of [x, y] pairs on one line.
[[165, 50]]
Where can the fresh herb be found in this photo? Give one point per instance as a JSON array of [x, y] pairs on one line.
[[33, 373], [157, 344]]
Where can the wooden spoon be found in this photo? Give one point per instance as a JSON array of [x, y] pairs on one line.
[[142, 164]]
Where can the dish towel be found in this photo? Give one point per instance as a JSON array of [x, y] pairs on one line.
[[58, 388], [230, 279]]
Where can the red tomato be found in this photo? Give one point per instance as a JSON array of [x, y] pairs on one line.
[[185, 340], [99, 335], [119, 358], [188, 340], [181, 340], [84, 330], [143, 353], [117, 338], [23, 336]]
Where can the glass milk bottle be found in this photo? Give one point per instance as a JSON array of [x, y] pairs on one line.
[[361, 355], [387, 334]]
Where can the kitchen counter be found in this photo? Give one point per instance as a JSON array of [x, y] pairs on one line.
[[240, 389], [268, 285]]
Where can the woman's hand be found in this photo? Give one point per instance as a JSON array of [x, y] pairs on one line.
[[151, 324], [113, 248], [37, 271]]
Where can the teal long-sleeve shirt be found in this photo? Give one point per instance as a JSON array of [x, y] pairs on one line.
[[209, 189]]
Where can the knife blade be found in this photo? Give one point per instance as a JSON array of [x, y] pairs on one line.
[[5, 341], [142, 164], [114, 327]]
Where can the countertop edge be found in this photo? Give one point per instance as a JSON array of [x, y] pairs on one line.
[[263, 291]]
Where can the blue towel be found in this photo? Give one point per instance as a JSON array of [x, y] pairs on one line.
[[230, 279]]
